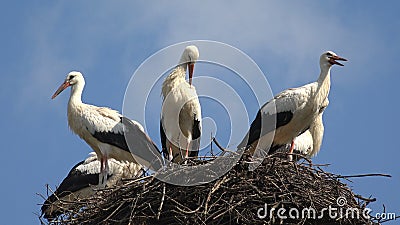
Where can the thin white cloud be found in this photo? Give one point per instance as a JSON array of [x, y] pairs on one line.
[[284, 41], [295, 35]]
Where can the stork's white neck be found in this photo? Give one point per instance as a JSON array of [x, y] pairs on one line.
[[324, 85], [182, 66], [177, 76], [325, 72], [76, 93]]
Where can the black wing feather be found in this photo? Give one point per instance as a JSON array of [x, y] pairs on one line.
[[111, 138], [196, 133], [163, 140], [142, 146], [267, 120]]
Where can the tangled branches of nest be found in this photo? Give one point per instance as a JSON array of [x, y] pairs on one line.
[[238, 197]]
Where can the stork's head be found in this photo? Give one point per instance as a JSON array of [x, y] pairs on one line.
[[189, 57], [330, 58], [73, 78]]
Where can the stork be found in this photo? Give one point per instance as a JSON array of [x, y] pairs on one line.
[[309, 142], [103, 129], [180, 125], [291, 112], [79, 181]]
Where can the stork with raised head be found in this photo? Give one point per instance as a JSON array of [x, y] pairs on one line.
[[180, 125], [309, 142], [103, 129], [291, 112], [80, 181]]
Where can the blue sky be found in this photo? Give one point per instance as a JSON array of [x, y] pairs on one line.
[[107, 41]]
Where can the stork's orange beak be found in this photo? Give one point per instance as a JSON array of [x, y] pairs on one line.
[[333, 59], [62, 87]]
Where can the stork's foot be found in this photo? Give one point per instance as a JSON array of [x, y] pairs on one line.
[[102, 181], [290, 157], [186, 154], [170, 157], [184, 158], [103, 173]]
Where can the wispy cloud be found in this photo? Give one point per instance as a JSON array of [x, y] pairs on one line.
[[267, 31], [285, 41]]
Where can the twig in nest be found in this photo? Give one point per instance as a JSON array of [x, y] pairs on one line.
[[213, 189], [365, 199], [364, 175], [218, 145], [224, 150], [138, 179], [162, 202], [116, 210], [211, 146]]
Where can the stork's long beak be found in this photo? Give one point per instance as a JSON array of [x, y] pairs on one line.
[[333, 59], [62, 87], [191, 69]]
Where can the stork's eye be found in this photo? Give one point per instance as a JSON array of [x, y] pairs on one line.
[[329, 54], [71, 77]]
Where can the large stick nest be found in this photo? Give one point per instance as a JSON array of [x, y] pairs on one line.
[[234, 198]]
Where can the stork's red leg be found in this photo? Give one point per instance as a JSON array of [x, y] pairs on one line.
[[107, 169], [103, 171], [171, 157], [101, 174], [187, 151], [290, 156], [101, 164]]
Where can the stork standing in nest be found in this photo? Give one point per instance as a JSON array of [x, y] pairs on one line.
[[309, 142], [180, 125], [102, 128], [291, 112]]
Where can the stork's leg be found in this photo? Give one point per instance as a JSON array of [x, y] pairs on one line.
[[106, 170], [290, 156], [170, 157], [181, 154], [187, 150], [101, 178], [103, 172]]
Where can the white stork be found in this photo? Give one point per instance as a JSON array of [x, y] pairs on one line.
[[309, 142], [79, 181], [180, 125], [291, 112], [103, 129]]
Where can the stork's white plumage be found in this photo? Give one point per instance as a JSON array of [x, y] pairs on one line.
[[79, 181], [292, 111], [180, 125], [309, 142], [102, 128]]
